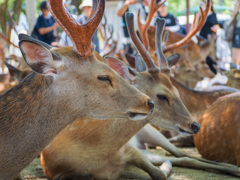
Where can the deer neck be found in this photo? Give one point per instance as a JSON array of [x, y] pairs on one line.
[[108, 136], [27, 113], [196, 101]]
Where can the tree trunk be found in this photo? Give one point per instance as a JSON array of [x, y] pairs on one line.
[[3, 15], [31, 9], [17, 9]]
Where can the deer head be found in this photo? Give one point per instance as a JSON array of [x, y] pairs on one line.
[[67, 83], [162, 91]]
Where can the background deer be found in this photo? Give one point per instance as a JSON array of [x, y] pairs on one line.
[[68, 83], [81, 140], [219, 136]]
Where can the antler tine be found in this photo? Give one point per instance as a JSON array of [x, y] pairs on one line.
[[194, 22], [192, 32], [151, 66], [160, 24], [80, 35], [143, 28], [7, 40], [165, 39], [94, 9]]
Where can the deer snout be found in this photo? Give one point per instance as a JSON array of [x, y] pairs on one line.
[[151, 105], [195, 127]]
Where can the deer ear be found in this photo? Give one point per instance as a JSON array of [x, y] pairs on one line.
[[140, 64], [120, 67], [13, 71], [173, 59], [131, 59], [39, 58]]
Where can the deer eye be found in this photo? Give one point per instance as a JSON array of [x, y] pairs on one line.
[[105, 78], [162, 97]]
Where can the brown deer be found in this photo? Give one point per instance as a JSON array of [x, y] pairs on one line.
[[185, 73], [68, 83], [105, 141], [219, 136], [233, 78]]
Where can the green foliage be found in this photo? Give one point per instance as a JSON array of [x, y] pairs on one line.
[[176, 6]]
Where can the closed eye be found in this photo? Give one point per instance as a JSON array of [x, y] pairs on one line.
[[162, 97], [105, 78]]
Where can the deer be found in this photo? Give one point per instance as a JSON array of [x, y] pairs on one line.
[[185, 73], [196, 101], [197, 61], [67, 83], [111, 137], [222, 143]]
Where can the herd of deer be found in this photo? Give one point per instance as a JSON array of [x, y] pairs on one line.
[[88, 116]]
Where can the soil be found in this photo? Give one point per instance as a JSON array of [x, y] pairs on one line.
[[34, 171]]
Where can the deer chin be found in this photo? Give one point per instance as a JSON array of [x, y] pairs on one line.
[[182, 131], [136, 116]]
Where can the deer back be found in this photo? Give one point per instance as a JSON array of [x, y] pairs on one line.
[[219, 136]]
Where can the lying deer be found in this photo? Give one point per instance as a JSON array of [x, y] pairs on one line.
[[185, 73], [106, 141], [68, 83], [219, 136]]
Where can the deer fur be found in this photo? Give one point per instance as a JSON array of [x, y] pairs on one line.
[[197, 60], [219, 136], [65, 87]]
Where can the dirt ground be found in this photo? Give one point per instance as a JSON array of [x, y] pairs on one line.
[[34, 171]]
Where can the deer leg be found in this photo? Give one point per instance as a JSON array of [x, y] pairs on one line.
[[139, 160], [193, 163], [183, 140], [153, 137]]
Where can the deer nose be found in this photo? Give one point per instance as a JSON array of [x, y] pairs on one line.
[[195, 127], [151, 105]]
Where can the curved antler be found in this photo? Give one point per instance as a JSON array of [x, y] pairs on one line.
[[80, 35], [143, 28], [151, 66], [94, 9], [160, 24], [193, 30]]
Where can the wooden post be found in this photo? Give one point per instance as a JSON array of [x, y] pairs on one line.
[[187, 15]]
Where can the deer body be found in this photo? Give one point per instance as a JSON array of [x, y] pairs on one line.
[[68, 155], [70, 83], [31, 126], [197, 102], [219, 136]]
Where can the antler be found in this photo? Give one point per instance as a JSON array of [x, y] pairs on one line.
[[143, 28], [193, 30], [151, 66], [160, 24], [80, 35], [8, 41]]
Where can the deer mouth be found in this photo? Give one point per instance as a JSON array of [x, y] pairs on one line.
[[182, 131], [136, 116]]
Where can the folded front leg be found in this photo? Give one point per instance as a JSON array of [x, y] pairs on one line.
[[139, 160]]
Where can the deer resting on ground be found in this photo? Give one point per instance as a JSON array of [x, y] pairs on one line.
[[68, 83]]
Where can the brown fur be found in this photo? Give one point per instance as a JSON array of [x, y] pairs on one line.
[[218, 138], [39, 107], [99, 147], [194, 50]]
